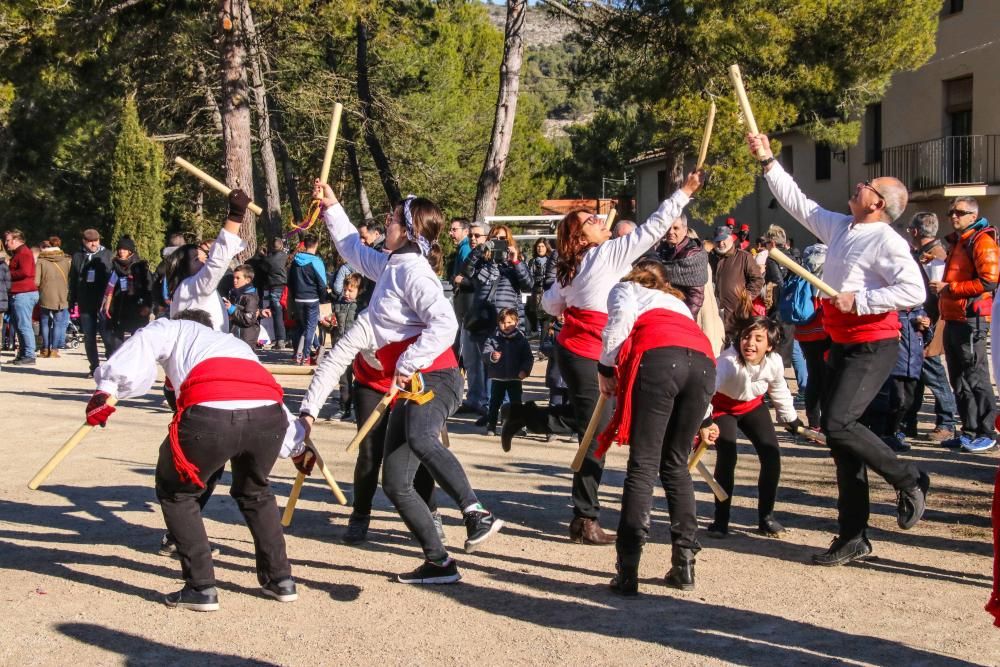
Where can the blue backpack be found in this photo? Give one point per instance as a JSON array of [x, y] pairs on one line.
[[797, 305]]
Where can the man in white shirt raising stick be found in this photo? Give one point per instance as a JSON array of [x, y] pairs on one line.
[[870, 265]]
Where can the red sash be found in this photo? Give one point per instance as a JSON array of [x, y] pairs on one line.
[[655, 328], [581, 332], [727, 405], [371, 377], [218, 379], [848, 328], [993, 606]]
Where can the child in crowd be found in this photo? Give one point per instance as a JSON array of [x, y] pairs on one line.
[[345, 312], [747, 370], [558, 394], [243, 306], [508, 361]]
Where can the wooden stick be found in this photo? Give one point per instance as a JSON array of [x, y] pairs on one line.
[[797, 269], [609, 219], [809, 434], [293, 498], [208, 180], [741, 96], [445, 440], [373, 418], [707, 137], [697, 454], [331, 141], [275, 369], [706, 475], [61, 453], [595, 419], [327, 475]]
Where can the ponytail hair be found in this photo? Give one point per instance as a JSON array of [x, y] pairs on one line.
[[434, 256], [427, 222], [651, 274]]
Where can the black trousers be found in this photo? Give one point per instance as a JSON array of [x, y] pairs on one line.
[[857, 373], [347, 390], [370, 457], [759, 429], [969, 370], [902, 395], [669, 398], [814, 352], [512, 389], [250, 440], [580, 375]]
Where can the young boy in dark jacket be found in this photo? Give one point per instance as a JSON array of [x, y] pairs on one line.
[[508, 361], [243, 306], [345, 312]]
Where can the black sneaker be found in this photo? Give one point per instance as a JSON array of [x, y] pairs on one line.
[[282, 591], [717, 531], [843, 551], [195, 600], [770, 527], [168, 547], [23, 361], [480, 526], [911, 503], [431, 573], [357, 529]]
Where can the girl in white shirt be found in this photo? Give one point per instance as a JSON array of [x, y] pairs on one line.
[[744, 373], [413, 327]]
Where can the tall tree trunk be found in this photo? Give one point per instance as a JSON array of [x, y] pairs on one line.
[[277, 127], [389, 182], [488, 189], [264, 136], [236, 113], [355, 166]]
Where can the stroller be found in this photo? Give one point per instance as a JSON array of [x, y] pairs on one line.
[[74, 334]]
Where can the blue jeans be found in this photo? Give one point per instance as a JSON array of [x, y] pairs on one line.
[[53, 326], [21, 307], [799, 366], [475, 370], [307, 314], [92, 324]]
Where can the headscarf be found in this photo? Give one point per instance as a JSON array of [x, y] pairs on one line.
[[411, 234]]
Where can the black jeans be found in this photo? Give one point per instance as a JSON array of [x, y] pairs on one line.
[[669, 398], [902, 395], [580, 375], [759, 429], [93, 325], [412, 439], [370, 457], [814, 352], [498, 390], [278, 314], [969, 370], [347, 390], [250, 440], [856, 374]]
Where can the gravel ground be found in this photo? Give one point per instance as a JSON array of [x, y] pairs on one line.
[[82, 580]]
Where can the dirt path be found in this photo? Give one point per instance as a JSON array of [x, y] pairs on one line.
[[82, 580]]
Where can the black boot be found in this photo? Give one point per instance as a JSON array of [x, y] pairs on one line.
[[626, 582], [681, 575]]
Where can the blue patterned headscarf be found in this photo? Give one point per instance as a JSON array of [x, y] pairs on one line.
[[422, 243]]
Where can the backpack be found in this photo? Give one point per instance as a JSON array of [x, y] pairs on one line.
[[797, 305]]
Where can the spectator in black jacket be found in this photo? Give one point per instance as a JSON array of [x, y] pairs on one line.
[[276, 266], [508, 361], [538, 267], [686, 263], [128, 297], [243, 306], [464, 292], [89, 273]]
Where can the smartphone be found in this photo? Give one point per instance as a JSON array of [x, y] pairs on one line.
[[499, 250]]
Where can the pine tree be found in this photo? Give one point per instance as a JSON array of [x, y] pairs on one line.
[[137, 186]]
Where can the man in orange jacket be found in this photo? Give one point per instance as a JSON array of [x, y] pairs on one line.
[[966, 298]]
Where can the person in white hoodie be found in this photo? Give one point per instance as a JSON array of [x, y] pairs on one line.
[[744, 373]]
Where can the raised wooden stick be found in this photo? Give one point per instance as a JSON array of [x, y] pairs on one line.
[[208, 180], [609, 219], [707, 137], [331, 141], [799, 270], [741, 96], [61, 453], [373, 418], [595, 419]]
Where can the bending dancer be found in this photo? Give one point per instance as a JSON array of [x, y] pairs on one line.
[[414, 328], [229, 408], [589, 265], [747, 370], [357, 348], [870, 265], [664, 380]]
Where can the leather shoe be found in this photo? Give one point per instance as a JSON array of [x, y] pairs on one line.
[[587, 531]]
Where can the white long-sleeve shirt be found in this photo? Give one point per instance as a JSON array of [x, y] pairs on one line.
[[359, 339], [870, 259], [626, 302], [178, 346], [604, 265], [199, 291], [747, 382], [407, 300]]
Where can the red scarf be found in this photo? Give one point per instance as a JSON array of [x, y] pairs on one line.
[[727, 405], [218, 379], [367, 375], [993, 606], [581, 332], [655, 328], [389, 356]]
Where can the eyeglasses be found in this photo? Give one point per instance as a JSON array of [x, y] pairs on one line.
[[958, 213], [868, 184], [593, 220], [477, 236]]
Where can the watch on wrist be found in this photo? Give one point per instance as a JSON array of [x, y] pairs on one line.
[[765, 162]]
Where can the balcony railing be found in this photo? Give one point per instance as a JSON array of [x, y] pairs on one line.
[[960, 160]]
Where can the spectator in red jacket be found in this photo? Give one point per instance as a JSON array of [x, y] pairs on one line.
[[23, 294]]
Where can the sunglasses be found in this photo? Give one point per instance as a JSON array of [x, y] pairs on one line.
[[477, 236], [958, 213], [868, 184]]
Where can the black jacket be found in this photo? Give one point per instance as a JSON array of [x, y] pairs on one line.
[[243, 322], [87, 289], [510, 280], [132, 299], [515, 355], [276, 266]]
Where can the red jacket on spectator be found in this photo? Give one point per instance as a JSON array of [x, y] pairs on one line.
[[22, 271]]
